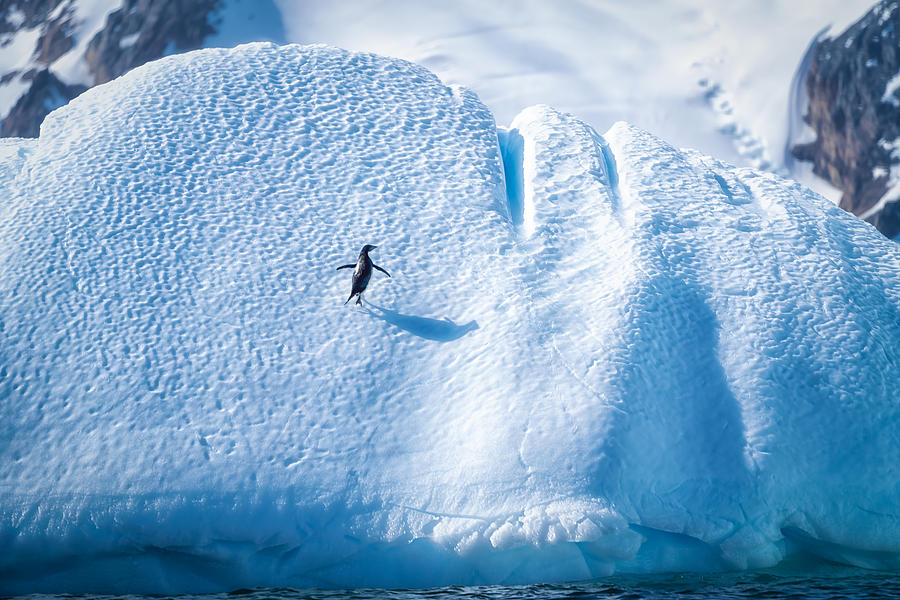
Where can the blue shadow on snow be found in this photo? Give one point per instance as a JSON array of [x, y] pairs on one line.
[[431, 329]]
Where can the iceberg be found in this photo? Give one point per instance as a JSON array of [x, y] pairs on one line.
[[597, 353]]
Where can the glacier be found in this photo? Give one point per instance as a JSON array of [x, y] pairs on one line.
[[597, 354]]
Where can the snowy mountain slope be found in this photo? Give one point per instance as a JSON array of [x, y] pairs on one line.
[[703, 74], [596, 353], [709, 75]]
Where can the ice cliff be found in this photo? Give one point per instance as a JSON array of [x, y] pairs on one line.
[[597, 353]]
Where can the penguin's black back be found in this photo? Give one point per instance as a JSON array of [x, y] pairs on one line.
[[362, 273]]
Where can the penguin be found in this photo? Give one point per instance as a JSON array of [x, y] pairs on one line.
[[362, 272]]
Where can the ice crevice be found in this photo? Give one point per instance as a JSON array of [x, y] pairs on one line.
[[512, 151], [610, 170]]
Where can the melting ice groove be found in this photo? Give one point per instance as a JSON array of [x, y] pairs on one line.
[[647, 360]]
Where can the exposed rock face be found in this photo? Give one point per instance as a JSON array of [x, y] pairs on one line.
[[137, 32], [56, 38], [854, 108], [144, 30]]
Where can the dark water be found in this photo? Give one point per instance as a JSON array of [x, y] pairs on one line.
[[836, 582]]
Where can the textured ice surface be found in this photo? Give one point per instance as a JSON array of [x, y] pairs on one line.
[[596, 353], [13, 152]]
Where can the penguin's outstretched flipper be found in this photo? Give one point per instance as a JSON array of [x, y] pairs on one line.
[[353, 266], [382, 270]]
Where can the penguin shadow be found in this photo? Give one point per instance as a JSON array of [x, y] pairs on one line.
[[438, 330]]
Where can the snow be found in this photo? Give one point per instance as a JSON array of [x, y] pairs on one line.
[[15, 56], [129, 40], [890, 89], [15, 17], [802, 171], [892, 185], [89, 18], [886, 10], [597, 353]]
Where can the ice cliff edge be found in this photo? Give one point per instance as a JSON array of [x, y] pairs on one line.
[[597, 353]]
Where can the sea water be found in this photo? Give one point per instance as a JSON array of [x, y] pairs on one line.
[[829, 581]]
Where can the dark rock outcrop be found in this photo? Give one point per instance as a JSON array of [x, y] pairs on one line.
[[855, 120], [56, 37]]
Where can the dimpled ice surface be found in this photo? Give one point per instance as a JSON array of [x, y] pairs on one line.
[[596, 354]]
